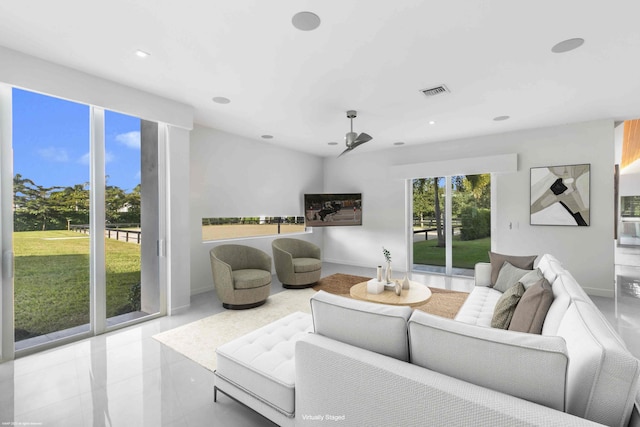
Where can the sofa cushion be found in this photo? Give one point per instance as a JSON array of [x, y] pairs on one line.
[[250, 278], [478, 307], [559, 306], [263, 361], [375, 327], [509, 275], [506, 305], [550, 267], [532, 367], [497, 261], [305, 265], [602, 378], [532, 309]]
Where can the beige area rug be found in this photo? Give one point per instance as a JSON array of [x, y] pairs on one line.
[[443, 302], [198, 340]]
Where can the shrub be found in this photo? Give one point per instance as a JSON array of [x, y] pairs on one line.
[[134, 297], [476, 223]]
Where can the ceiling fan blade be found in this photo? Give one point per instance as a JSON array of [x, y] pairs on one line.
[[346, 151], [362, 138], [357, 144]]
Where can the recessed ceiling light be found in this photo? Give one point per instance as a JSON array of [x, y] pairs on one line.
[[501, 118], [142, 53], [432, 122], [267, 137], [332, 143], [567, 45], [305, 21], [398, 143], [221, 100]]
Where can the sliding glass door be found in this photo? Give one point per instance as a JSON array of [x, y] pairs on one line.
[[451, 223], [50, 198], [84, 211]]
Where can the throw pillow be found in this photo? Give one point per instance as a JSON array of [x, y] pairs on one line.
[[531, 278], [510, 275], [506, 305], [497, 260], [532, 309]]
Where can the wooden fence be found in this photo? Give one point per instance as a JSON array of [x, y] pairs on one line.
[[122, 234]]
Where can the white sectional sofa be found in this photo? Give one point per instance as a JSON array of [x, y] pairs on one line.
[[376, 365]]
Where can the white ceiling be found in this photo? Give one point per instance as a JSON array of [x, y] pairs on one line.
[[373, 56]]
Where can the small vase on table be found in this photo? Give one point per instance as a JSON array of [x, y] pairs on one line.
[[388, 273]]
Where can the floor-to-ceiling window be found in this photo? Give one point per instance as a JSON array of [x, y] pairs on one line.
[[451, 223], [126, 152], [50, 196], [85, 200]]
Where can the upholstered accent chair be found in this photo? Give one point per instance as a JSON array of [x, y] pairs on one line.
[[298, 262], [241, 275]]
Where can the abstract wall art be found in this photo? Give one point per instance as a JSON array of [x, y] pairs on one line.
[[560, 195]]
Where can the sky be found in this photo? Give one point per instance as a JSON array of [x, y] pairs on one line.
[[51, 142]]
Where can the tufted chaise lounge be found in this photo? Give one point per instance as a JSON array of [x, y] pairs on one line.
[[258, 369]]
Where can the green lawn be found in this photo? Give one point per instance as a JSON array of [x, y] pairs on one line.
[[465, 253], [51, 285]]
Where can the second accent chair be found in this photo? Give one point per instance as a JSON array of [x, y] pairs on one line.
[[241, 275], [298, 262]]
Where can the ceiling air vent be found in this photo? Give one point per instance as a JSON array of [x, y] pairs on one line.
[[433, 91]]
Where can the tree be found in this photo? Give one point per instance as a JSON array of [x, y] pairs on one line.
[[75, 203], [478, 185], [35, 202], [422, 200]]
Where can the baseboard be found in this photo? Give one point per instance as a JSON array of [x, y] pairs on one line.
[[179, 310], [599, 292], [196, 291], [343, 262]]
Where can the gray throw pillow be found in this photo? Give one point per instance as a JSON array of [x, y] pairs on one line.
[[506, 305], [497, 261], [531, 278], [532, 309], [510, 275]]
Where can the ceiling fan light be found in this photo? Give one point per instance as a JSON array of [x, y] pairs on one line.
[[350, 137]]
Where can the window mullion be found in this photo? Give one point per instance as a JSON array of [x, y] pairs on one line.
[[448, 222], [96, 224]]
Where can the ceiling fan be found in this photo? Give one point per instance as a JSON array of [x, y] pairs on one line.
[[352, 139]]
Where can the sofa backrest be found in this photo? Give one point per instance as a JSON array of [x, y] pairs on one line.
[[375, 327], [602, 377], [602, 380], [529, 366]]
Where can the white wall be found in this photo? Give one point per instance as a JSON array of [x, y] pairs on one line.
[[177, 220], [586, 251], [235, 176]]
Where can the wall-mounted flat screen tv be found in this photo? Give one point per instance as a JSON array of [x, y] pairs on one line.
[[331, 210]]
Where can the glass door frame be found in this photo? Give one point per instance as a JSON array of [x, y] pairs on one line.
[[98, 320], [447, 221]]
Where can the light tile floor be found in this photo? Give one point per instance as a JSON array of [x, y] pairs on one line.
[[126, 378]]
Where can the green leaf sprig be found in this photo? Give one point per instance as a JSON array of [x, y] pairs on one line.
[[387, 254]]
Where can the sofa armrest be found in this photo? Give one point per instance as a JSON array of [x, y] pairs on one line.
[[483, 274], [339, 382]]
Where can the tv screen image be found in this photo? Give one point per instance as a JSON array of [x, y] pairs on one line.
[[332, 210]]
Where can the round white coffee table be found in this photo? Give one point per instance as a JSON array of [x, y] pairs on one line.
[[417, 294]]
